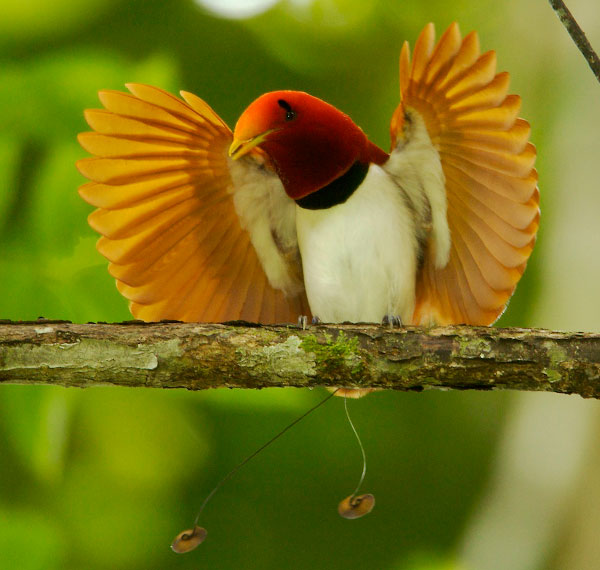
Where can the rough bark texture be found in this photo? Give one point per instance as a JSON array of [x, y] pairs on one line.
[[200, 356]]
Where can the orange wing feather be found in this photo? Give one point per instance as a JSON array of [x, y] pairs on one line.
[[491, 184], [163, 189]]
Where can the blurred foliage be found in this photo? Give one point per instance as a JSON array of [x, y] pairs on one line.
[[105, 478]]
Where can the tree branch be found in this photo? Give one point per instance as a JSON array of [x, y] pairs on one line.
[[577, 35], [200, 356]]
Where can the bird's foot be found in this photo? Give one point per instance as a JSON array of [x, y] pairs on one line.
[[392, 320], [303, 321]]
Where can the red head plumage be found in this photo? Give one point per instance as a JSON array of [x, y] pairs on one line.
[[310, 142]]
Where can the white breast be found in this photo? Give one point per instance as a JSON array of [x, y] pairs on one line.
[[360, 257]]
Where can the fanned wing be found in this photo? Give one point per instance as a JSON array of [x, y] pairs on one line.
[[179, 220], [490, 180]]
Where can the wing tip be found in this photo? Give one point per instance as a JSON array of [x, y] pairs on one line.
[[86, 193], [84, 165]]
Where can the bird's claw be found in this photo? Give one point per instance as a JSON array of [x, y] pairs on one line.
[[392, 321], [303, 321]]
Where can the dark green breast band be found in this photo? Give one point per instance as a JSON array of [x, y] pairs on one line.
[[336, 192]]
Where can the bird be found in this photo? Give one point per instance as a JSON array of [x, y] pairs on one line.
[[296, 212]]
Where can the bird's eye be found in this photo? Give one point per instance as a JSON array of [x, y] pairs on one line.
[[290, 114]]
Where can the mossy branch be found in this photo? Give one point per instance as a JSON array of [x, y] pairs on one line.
[[241, 355]]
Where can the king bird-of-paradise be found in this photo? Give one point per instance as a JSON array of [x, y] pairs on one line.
[[297, 213]]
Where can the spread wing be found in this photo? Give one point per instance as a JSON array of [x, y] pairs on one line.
[[492, 199], [190, 234]]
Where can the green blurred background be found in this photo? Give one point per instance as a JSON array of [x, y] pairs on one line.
[[104, 478]]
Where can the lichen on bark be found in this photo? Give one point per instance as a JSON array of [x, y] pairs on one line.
[[198, 356]]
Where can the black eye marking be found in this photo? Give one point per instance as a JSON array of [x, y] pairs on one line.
[[290, 113], [284, 104]]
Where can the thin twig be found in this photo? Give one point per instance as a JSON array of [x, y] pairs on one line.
[[577, 35]]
